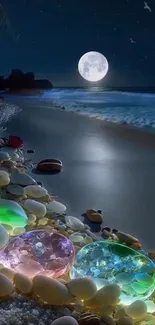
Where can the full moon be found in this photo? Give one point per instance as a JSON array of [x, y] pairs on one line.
[[93, 66]]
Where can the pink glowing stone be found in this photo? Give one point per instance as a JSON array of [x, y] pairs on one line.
[[39, 252]]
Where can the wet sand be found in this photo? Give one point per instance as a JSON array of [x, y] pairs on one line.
[[106, 166]]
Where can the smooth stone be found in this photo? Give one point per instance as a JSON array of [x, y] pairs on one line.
[[22, 179], [4, 155], [35, 207], [43, 222], [77, 238], [15, 189], [150, 322], [96, 217], [125, 321], [22, 283], [107, 295], [31, 219], [56, 207], [126, 238], [7, 272], [65, 320], [51, 291], [30, 151], [35, 191], [16, 157], [150, 306], [19, 231], [74, 223], [12, 214], [137, 309], [4, 237], [82, 288], [4, 178], [6, 286]]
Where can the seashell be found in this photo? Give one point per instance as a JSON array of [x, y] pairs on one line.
[[22, 179], [6, 286], [125, 321], [4, 178], [50, 291], [22, 283], [89, 319], [74, 223], [107, 295], [4, 155], [137, 309], [4, 237], [83, 288], [35, 207], [35, 191], [55, 207], [65, 320], [7, 272], [96, 217]]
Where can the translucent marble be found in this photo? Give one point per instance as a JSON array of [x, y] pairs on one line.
[[12, 214], [108, 261], [39, 252]]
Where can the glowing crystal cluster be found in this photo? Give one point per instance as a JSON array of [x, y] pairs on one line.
[[39, 252], [107, 261]]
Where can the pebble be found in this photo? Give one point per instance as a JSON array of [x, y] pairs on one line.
[[51, 291], [34, 207], [107, 295], [35, 191], [15, 189], [96, 217], [7, 272], [22, 283], [125, 321], [65, 320], [6, 286], [83, 288], [22, 179], [74, 223], [137, 309], [30, 151], [4, 155], [4, 178], [55, 207]]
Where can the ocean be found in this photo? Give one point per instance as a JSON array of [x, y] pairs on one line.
[[135, 109]]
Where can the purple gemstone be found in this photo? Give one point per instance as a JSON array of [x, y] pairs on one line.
[[39, 252]]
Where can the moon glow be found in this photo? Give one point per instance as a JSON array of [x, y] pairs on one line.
[[93, 66]]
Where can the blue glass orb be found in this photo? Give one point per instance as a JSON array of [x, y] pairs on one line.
[[111, 262]]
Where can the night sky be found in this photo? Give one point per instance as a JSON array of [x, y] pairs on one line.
[[49, 36]]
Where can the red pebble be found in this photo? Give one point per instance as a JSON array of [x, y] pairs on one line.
[[15, 142]]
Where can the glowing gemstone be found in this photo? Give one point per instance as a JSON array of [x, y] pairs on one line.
[[116, 263], [12, 214], [39, 252]]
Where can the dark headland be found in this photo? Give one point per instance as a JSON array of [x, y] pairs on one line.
[[20, 82]]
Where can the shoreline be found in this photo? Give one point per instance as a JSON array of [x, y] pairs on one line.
[[106, 166]]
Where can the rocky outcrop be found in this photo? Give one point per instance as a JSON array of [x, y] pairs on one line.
[[17, 81]]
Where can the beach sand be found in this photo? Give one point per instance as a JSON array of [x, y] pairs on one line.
[[105, 166]]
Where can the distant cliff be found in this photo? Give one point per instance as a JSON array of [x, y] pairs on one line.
[[18, 81]]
